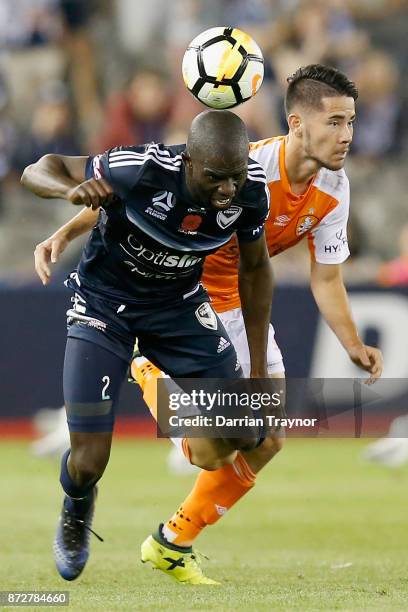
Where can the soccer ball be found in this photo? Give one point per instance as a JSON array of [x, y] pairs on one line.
[[223, 67]]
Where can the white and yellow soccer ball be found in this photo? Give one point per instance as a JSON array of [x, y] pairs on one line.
[[223, 67]]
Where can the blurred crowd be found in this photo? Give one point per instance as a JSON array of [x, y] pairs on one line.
[[79, 77]]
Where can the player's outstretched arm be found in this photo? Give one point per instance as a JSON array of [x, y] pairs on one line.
[[255, 290], [50, 249], [331, 298], [61, 176]]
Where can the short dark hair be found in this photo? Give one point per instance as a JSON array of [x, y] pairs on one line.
[[309, 84]]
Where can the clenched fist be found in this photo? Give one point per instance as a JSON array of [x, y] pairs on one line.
[[92, 193]]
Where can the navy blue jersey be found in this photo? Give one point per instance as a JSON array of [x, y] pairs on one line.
[[151, 242]]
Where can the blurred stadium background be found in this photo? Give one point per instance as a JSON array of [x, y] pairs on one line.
[[79, 77]]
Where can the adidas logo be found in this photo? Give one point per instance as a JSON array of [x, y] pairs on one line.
[[223, 344], [282, 220], [221, 510]]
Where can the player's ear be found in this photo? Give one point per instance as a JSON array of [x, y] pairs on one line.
[[295, 124]]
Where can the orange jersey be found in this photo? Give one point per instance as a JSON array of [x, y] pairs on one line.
[[321, 214]]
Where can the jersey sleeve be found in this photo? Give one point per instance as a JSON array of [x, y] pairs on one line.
[[251, 224], [122, 167], [328, 240]]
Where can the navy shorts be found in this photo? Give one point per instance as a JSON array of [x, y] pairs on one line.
[[184, 338]]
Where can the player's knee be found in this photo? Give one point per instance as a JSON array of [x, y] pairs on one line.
[[205, 461], [89, 464], [244, 444], [208, 459], [88, 470], [215, 464]]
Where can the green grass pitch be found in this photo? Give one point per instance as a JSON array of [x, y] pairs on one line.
[[321, 531]]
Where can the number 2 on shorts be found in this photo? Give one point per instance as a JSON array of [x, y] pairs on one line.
[[106, 381]]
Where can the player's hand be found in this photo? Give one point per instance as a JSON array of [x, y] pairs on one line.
[[92, 193], [367, 358], [48, 251]]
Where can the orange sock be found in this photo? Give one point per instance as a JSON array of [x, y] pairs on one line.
[[212, 495], [145, 373]]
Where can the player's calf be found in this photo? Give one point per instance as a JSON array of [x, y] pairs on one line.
[[259, 457]]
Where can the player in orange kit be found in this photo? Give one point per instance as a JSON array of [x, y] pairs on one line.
[[309, 197]]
